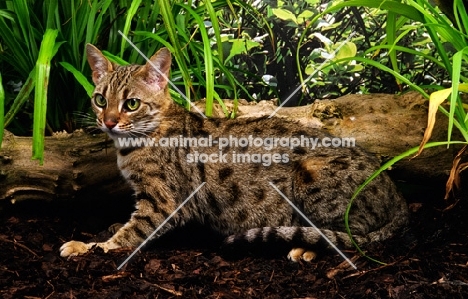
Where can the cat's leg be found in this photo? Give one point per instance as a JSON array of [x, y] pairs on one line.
[[141, 225], [296, 235], [297, 254], [74, 248]]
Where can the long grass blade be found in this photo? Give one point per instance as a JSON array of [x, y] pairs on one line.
[[209, 69], [22, 62], [456, 106], [408, 153], [24, 19], [79, 77], [2, 110], [7, 15], [169, 24], [217, 31], [128, 21], [52, 8], [391, 31], [384, 68], [46, 53], [406, 50], [92, 22], [21, 98], [461, 16], [394, 6]]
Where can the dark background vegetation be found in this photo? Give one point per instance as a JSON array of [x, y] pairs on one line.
[[260, 49]]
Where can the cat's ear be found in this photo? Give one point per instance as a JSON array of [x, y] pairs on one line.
[[155, 72], [99, 64]]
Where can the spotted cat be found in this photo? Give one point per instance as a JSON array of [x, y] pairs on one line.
[[245, 185]]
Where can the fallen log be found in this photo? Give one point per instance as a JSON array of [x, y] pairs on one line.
[[77, 166], [82, 166]]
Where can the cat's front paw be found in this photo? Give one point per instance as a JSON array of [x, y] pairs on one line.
[[297, 254], [74, 248]]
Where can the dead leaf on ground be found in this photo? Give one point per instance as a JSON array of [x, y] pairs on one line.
[[457, 168]]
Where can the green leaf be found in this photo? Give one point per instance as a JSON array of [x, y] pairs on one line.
[[20, 56], [169, 23], [385, 69], [7, 15], [216, 29], [21, 98], [374, 175], [115, 59], [456, 106], [309, 69], [88, 86], [391, 29], [97, 10], [128, 21], [356, 68], [284, 14], [208, 58], [305, 15], [2, 110], [46, 52], [393, 6], [463, 87], [347, 50], [24, 19], [241, 46]]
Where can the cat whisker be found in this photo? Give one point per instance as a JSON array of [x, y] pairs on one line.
[[85, 119], [84, 115], [142, 133], [148, 125], [166, 117], [138, 133], [88, 122]]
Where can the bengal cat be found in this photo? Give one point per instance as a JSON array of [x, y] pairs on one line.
[[239, 199]]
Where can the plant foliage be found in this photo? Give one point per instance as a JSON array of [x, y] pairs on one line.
[[232, 49]]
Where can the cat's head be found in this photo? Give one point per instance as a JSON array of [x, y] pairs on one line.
[[128, 100]]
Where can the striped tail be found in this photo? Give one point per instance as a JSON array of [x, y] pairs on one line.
[[298, 236]]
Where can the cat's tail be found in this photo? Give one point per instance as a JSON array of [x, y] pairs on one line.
[[303, 236], [294, 235]]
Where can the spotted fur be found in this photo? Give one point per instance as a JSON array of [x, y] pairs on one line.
[[237, 199]]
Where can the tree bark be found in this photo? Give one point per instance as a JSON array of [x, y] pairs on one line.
[[77, 166], [81, 166]]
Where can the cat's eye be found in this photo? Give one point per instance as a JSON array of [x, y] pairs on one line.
[[132, 104], [100, 101]]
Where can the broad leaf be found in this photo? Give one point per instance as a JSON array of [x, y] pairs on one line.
[[284, 14]]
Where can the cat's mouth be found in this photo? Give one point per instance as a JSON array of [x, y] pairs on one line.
[[114, 132], [117, 133], [127, 130]]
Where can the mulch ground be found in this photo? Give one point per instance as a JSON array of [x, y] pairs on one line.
[[428, 260]]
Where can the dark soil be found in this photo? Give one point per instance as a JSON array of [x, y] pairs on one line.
[[427, 260]]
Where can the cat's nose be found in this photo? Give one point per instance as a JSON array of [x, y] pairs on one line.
[[110, 123]]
